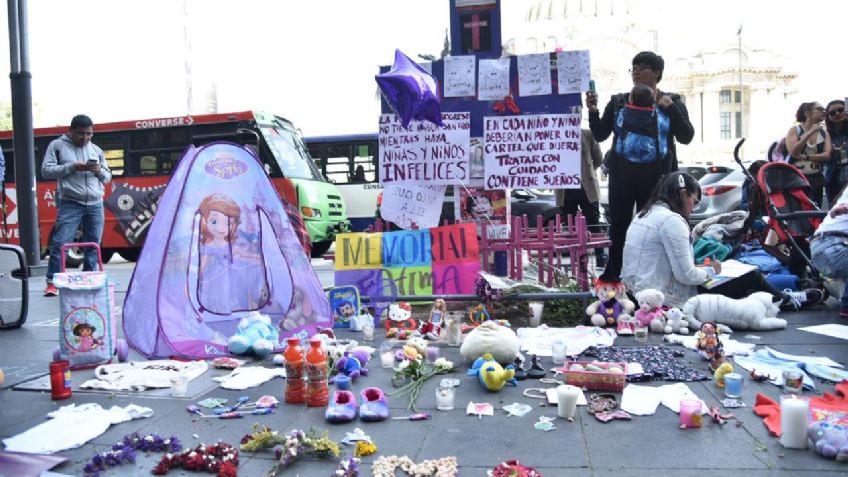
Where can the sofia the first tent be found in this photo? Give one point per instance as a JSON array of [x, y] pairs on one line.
[[220, 246]]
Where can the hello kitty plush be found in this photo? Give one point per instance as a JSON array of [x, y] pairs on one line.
[[399, 323]]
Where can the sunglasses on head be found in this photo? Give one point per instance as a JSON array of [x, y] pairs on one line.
[[834, 112]]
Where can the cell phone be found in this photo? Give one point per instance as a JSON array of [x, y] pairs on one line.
[[93, 160], [592, 86]]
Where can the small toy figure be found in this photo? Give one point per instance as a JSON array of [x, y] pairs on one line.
[[479, 314], [709, 345], [720, 372], [432, 326], [612, 304]]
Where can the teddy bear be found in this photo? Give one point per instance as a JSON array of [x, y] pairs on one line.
[[650, 312], [254, 334], [829, 440], [675, 322], [612, 304]]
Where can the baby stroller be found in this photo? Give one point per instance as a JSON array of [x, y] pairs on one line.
[[88, 329], [779, 191]]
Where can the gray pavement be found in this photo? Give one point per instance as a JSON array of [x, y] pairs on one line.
[[650, 445]]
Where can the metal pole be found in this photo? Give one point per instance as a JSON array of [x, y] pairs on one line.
[[24, 146]]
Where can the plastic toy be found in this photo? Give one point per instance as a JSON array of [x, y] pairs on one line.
[[430, 329], [479, 314], [709, 345], [492, 376], [829, 440], [255, 334], [720, 372], [612, 304]]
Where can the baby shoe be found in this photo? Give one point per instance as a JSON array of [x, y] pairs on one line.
[[520, 372], [374, 406], [342, 407], [536, 369]]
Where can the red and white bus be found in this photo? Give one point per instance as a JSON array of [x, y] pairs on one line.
[[142, 154]]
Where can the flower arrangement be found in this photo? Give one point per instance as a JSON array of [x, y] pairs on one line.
[[410, 375], [220, 459], [385, 467], [297, 444], [512, 468], [123, 452]]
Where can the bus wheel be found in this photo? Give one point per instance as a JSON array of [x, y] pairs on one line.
[[130, 254], [320, 248]]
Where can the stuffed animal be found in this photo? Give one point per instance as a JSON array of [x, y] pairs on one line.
[[491, 375], [352, 364], [490, 337], [255, 334], [612, 304], [650, 312], [756, 312], [721, 372], [300, 312], [400, 323], [675, 322], [829, 440]]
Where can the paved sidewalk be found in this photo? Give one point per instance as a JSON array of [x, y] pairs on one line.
[[650, 445]]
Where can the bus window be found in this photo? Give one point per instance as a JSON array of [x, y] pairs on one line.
[[338, 165], [114, 150], [366, 159], [147, 166], [153, 138]]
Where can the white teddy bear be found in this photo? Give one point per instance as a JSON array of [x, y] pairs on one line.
[[676, 322]]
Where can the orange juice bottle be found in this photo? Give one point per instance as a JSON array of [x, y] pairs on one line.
[[295, 387], [317, 394]]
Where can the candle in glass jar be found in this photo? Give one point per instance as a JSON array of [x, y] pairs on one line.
[[733, 385], [368, 332], [567, 401], [432, 354], [387, 359], [691, 413], [794, 412], [444, 398]]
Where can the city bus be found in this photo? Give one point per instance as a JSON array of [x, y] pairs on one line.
[[142, 153], [350, 162]]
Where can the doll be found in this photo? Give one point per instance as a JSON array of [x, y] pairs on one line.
[[709, 345], [431, 327]]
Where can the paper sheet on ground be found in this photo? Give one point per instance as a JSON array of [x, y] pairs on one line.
[[730, 269], [830, 329], [72, 426], [731, 346], [538, 340], [140, 375], [643, 400]]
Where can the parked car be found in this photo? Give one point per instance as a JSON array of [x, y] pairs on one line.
[[698, 172], [719, 196]]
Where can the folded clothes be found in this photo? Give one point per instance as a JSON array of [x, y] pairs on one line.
[[658, 362], [773, 363]]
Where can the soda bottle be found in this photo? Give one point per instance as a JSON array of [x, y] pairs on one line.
[[295, 387], [317, 394]]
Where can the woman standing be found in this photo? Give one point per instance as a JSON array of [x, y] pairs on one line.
[[809, 147], [836, 170]]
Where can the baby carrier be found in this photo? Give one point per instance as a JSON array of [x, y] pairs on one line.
[[88, 330]]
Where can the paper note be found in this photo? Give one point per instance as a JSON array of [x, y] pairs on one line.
[[730, 269], [413, 205], [459, 76], [830, 329], [534, 74], [493, 79], [573, 71]]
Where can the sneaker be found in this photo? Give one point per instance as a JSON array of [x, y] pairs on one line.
[[793, 299], [815, 296], [374, 406], [51, 290]]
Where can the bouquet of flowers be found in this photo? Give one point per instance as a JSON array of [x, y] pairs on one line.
[[296, 444], [410, 375]]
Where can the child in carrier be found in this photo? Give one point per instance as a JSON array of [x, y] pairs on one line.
[[637, 127]]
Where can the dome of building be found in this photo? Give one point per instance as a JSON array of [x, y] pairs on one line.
[[572, 9]]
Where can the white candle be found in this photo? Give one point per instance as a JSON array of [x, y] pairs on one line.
[[368, 332], [536, 309], [387, 359], [179, 386], [567, 401], [794, 413], [444, 398]]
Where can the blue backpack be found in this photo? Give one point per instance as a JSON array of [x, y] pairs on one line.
[[648, 143]]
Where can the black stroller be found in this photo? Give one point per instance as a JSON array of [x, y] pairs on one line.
[[780, 192]]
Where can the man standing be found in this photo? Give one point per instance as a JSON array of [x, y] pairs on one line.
[[632, 179], [80, 170]]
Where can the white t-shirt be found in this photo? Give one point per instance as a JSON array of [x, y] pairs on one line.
[[839, 223]]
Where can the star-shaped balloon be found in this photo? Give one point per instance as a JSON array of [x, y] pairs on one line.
[[410, 91]]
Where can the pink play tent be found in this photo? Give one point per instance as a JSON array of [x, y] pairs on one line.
[[220, 246]]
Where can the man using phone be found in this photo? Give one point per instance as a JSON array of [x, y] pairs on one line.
[[81, 173]]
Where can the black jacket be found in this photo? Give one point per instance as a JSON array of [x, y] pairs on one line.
[[680, 127]]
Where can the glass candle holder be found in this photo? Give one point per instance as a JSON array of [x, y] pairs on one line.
[[792, 381], [179, 386], [368, 332], [558, 351], [444, 398], [733, 385], [432, 354], [641, 333]]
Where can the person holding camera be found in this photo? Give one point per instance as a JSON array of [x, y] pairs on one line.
[[81, 173]]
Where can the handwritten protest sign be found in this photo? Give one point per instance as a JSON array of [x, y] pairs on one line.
[[425, 152], [440, 260], [413, 204], [534, 151]]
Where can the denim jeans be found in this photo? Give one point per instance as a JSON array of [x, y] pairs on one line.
[[830, 257], [74, 216]]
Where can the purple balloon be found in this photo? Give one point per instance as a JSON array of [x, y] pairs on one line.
[[410, 91]]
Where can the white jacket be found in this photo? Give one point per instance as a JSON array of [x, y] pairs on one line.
[[658, 254]]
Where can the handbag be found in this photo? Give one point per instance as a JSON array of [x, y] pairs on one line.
[[358, 321]]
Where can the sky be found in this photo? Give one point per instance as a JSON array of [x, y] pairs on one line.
[[314, 61]]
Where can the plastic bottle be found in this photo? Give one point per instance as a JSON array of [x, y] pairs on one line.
[[295, 386], [317, 394]]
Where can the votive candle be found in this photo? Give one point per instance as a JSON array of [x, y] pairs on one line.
[[567, 400]]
